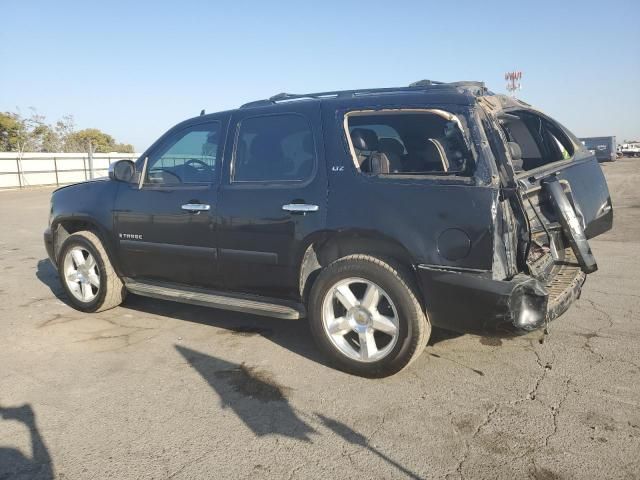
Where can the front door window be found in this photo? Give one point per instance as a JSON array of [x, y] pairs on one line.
[[188, 157]]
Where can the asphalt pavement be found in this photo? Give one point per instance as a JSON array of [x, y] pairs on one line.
[[155, 389]]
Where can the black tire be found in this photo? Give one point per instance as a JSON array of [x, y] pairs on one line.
[[414, 328], [110, 292]]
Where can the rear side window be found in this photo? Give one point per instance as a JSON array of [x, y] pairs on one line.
[[408, 142], [273, 148]]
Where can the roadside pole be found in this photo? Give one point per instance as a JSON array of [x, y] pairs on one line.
[[90, 160]]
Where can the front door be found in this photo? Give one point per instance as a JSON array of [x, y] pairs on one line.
[[166, 224], [273, 196]]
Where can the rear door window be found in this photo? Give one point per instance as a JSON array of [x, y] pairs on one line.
[[274, 148]]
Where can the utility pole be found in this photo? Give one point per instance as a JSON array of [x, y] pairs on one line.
[[90, 159], [513, 81]]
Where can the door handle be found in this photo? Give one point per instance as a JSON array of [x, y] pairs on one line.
[[300, 207], [196, 207]]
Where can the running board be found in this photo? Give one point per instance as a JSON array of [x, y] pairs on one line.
[[237, 302]]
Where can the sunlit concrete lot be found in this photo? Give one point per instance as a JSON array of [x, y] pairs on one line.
[[154, 389]]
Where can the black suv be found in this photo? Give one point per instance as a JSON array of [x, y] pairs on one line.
[[376, 213]]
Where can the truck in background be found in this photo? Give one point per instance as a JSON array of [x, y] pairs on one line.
[[631, 149], [604, 148]]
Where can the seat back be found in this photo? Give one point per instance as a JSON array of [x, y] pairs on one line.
[[394, 150], [370, 159]]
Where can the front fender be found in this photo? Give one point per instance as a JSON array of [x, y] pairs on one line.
[[85, 206]]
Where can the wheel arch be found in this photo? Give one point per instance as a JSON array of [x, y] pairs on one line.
[[332, 245], [65, 226]]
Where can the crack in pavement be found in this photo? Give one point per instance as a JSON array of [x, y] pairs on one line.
[[465, 456], [533, 393], [555, 412], [545, 367], [294, 470], [616, 293], [186, 464], [600, 309], [378, 429], [596, 333]]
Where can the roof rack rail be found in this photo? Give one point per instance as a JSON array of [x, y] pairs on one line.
[[477, 88], [425, 83]]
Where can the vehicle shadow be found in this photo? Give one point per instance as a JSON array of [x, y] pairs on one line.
[[294, 335], [47, 274], [262, 405], [440, 335], [13, 463]]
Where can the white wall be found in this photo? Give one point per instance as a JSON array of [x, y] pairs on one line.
[[40, 168]]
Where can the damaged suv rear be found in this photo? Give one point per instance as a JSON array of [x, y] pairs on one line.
[[545, 197], [377, 213], [499, 202], [492, 202]]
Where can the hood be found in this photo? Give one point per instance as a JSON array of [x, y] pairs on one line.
[[93, 180]]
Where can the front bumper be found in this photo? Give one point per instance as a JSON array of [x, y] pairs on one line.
[[48, 245], [475, 303]]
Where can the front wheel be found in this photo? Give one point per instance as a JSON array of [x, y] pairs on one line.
[[87, 275], [366, 317]]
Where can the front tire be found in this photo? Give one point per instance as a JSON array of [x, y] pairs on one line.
[[86, 274], [365, 316]]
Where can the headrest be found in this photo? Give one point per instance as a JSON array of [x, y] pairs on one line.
[[391, 145], [515, 151], [364, 139]]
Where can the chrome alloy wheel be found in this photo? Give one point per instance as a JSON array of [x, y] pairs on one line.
[[360, 319], [81, 274]]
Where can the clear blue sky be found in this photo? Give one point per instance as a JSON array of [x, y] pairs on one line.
[[135, 68]]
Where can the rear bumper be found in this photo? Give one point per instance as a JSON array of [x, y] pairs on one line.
[[48, 245], [475, 303]]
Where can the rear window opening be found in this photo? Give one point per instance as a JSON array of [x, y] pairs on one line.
[[539, 141], [408, 142]]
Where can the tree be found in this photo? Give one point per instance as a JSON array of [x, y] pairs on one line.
[[96, 140], [10, 128], [123, 148], [32, 134], [89, 139], [46, 139], [63, 128]]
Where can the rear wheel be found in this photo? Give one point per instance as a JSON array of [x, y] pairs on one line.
[[365, 316], [87, 275]]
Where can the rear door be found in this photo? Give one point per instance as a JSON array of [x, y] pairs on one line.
[[166, 224], [272, 197]]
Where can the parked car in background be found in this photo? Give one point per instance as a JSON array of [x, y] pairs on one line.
[[376, 213], [630, 149], [604, 148]]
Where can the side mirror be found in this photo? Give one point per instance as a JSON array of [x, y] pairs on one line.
[[122, 171]]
